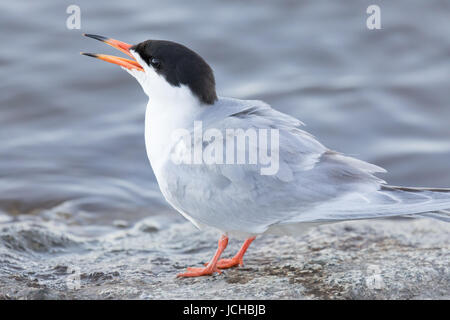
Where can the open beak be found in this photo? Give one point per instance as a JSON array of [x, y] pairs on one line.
[[122, 46]]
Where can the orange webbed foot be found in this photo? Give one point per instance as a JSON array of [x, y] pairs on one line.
[[198, 272], [230, 263], [210, 267]]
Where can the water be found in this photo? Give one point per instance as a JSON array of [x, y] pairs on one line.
[[72, 157]]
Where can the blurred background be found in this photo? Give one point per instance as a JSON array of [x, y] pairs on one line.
[[72, 128]]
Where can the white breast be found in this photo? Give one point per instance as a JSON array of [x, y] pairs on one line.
[[162, 118]]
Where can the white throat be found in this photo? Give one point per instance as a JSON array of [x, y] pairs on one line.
[[166, 113], [169, 108]]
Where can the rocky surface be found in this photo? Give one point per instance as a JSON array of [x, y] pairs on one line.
[[385, 259]]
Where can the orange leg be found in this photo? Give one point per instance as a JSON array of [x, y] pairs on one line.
[[238, 258], [211, 267]]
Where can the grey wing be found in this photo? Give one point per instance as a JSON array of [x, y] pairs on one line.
[[312, 183]]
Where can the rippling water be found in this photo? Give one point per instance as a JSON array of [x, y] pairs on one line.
[[72, 146]]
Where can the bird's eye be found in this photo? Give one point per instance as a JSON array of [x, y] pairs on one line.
[[155, 62]]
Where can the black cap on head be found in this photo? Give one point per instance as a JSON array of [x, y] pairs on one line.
[[179, 65]]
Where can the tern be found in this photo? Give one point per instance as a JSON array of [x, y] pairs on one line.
[[310, 184]]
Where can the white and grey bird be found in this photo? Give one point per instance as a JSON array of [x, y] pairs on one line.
[[312, 184]]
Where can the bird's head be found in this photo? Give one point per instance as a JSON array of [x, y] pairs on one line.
[[164, 69]]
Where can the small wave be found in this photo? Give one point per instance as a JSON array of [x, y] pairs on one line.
[[31, 237]]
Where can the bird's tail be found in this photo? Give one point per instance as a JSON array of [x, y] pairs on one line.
[[442, 195], [388, 201]]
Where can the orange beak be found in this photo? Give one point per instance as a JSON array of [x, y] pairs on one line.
[[122, 46]]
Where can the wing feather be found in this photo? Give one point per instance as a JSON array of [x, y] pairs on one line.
[[313, 183]]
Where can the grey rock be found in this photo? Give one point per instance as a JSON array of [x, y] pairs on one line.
[[384, 259]]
